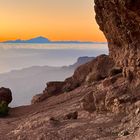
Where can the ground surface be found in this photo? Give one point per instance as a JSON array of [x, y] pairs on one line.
[[46, 121]]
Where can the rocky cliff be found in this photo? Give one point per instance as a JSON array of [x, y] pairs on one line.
[[120, 22], [114, 79]]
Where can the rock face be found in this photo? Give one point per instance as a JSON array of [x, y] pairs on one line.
[[119, 20], [99, 68], [5, 95]]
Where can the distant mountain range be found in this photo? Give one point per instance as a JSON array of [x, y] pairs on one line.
[[27, 82], [41, 39]]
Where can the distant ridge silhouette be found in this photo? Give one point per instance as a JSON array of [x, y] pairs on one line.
[[41, 39]]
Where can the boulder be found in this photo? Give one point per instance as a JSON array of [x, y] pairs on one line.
[[5, 95]]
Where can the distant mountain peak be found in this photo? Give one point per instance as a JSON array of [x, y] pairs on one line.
[[39, 39]]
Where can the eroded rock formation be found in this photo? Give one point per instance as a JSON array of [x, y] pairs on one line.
[[93, 71], [120, 22]]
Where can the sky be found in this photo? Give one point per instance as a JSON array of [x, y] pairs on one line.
[[54, 19]]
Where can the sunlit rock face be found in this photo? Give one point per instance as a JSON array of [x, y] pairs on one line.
[[120, 22]]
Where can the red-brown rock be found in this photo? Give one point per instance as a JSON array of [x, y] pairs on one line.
[[119, 20]]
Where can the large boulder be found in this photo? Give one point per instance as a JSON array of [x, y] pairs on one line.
[[5, 95]]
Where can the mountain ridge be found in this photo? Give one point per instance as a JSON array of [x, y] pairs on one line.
[[41, 39]]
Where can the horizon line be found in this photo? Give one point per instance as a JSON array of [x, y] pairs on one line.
[[50, 41]]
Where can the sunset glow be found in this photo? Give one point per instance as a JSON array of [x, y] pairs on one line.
[[54, 19]]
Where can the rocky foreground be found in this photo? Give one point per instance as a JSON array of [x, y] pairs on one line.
[[98, 106], [101, 101]]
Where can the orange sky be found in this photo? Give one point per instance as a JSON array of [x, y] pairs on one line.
[[55, 19]]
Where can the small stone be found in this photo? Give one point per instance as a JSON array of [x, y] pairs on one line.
[[123, 133]]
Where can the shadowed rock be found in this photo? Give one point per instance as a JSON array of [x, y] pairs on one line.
[[5, 95], [72, 115]]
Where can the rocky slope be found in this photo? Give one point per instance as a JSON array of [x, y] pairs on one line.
[[101, 101], [103, 108], [87, 73]]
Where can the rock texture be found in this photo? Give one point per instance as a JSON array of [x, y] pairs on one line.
[[89, 112], [119, 20]]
